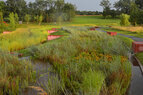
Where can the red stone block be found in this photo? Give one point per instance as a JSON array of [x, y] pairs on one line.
[[112, 33], [20, 55], [52, 31], [52, 37], [137, 47], [92, 29]]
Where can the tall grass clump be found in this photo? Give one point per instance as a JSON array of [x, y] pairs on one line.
[[88, 62], [21, 39], [14, 74]]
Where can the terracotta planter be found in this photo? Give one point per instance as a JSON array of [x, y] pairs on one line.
[[137, 47], [112, 33]]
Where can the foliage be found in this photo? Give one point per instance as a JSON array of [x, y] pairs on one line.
[[123, 6], [140, 57], [134, 14], [27, 18], [16, 18], [40, 19], [92, 82], [14, 74], [12, 21], [124, 20], [1, 22]]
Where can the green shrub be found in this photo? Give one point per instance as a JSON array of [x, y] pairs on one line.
[[124, 20], [16, 18], [27, 18], [12, 21]]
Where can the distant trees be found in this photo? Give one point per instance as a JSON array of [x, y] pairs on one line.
[[88, 13], [106, 7], [49, 9]]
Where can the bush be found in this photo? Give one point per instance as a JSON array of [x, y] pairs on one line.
[[124, 20], [27, 18], [12, 21]]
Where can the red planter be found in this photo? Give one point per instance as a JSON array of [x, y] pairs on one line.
[[54, 28], [137, 47], [52, 37], [112, 33]]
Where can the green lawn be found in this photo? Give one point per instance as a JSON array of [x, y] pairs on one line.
[[97, 20]]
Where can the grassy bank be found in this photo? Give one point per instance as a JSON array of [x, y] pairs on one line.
[[84, 65]]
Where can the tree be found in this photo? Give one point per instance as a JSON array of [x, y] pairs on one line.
[[69, 11], [27, 18], [12, 21], [139, 3], [123, 6], [17, 6], [40, 19], [134, 14], [106, 7], [124, 20], [16, 18]]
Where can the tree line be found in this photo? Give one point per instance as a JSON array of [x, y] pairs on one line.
[[47, 10], [131, 10]]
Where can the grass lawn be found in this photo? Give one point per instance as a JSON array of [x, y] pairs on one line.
[[95, 20]]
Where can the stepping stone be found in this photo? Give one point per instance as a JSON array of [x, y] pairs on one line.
[[112, 33], [137, 47]]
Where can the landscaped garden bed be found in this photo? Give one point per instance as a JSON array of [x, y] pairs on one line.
[[87, 62]]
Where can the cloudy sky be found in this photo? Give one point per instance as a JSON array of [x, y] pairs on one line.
[[90, 5]]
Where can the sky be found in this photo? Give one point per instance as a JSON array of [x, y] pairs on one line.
[[86, 5]]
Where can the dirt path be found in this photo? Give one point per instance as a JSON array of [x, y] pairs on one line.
[[136, 86]]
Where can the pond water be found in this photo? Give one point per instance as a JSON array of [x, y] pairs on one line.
[[43, 72]]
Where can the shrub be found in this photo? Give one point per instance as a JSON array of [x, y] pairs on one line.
[[27, 18], [16, 18], [12, 21], [124, 20], [40, 19]]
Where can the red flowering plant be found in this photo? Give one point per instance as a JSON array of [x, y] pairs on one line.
[[3, 24]]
